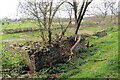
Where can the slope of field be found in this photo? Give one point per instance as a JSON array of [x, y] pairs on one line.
[[100, 63]]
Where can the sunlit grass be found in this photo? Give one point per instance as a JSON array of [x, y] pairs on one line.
[[105, 48], [27, 24]]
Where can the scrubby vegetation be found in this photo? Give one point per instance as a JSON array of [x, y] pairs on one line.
[[98, 61], [57, 40], [101, 61]]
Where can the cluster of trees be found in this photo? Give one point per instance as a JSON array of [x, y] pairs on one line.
[[106, 11], [45, 12]]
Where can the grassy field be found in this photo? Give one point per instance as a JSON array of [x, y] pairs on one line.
[[18, 24], [26, 24], [29, 35], [100, 61]]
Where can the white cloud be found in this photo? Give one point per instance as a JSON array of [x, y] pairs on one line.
[[8, 8]]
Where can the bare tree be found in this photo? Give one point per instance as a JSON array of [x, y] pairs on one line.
[[51, 16], [67, 9], [42, 11], [36, 10], [79, 12], [43, 6], [103, 10]]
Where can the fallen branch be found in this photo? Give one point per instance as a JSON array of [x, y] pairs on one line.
[[73, 47], [8, 76], [98, 60]]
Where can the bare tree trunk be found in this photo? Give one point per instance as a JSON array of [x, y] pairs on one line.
[[63, 32], [81, 14], [42, 33], [51, 16], [75, 12], [49, 23], [44, 24]]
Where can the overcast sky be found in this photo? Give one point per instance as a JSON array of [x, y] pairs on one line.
[[8, 8]]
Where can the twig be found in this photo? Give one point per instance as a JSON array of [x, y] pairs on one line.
[[98, 60]]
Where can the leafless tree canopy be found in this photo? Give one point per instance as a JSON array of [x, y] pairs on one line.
[[103, 10], [45, 11], [79, 11]]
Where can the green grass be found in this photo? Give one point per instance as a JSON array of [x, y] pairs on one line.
[[26, 24], [19, 24], [90, 28], [12, 63], [105, 48], [8, 36], [31, 36]]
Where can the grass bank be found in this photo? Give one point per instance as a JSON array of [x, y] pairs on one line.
[[101, 61]]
